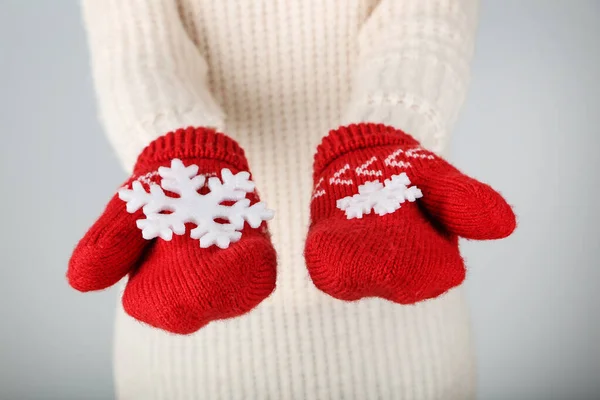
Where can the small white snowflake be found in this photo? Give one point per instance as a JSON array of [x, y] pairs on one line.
[[383, 198], [167, 215]]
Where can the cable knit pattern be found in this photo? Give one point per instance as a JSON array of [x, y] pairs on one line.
[[284, 73]]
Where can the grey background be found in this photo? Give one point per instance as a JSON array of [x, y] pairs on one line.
[[530, 127]]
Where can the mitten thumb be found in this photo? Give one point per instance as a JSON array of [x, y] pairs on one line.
[[465, 206], [108, 251]]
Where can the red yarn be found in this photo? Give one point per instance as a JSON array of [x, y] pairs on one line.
[[176, 285], [407, 255]]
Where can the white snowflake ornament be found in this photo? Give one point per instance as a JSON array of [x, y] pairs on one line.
[[383, 198], [167, 215]]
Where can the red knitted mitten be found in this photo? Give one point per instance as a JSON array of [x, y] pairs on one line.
[[189, 230], [386, 215]]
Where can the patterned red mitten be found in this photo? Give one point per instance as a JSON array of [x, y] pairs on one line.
[[189, 230], [386, 215]]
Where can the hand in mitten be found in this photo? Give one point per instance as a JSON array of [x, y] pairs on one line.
[[189, 230], [386, 215]]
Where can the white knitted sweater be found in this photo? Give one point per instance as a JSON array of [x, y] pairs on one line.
[[276, 75]]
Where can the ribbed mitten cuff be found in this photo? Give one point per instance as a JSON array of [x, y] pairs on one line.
[[191, 143], [357, 136]]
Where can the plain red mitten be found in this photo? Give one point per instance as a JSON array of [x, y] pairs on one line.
[[386, 215], [189, 230]]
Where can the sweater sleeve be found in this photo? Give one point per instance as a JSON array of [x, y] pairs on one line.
[[413, 67], [149, 76]]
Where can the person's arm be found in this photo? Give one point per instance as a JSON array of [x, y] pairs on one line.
[[413, 67], [149, 76]]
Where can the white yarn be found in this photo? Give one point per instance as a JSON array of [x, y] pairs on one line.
[[335, 179], [391, 160], [362, 170]]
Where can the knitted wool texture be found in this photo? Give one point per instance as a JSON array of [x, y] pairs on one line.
[[176, 285], [276, 76], [410, 254]]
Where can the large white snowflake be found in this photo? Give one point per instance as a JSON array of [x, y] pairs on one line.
[[383, 198], [167, 215]]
